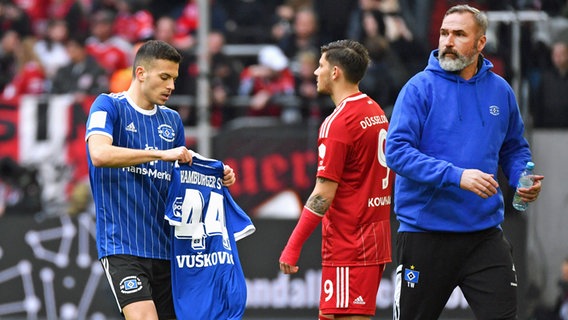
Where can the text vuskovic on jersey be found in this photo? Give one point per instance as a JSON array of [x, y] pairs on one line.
[[204, 260]]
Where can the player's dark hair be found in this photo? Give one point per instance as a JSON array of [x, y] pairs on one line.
[[155, 50], [349, 55]]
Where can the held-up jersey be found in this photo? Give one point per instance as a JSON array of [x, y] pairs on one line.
[[356, 228], [130, 201], [207, 278]]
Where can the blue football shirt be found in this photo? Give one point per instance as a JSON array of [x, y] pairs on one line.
[[130, 201], [207, 278]]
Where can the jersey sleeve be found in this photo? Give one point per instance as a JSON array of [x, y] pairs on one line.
[[241, 222], [101, 117], [332, 154]]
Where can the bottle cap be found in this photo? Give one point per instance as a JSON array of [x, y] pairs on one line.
[[530, 165]]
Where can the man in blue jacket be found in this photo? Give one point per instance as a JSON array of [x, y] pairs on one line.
[[452, 126]]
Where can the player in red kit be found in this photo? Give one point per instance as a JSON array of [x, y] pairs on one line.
[[352, 194]]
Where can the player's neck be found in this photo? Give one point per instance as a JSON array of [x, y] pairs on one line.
[[137, 97], [341, 93]]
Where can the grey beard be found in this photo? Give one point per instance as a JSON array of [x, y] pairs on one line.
[[453, 65]]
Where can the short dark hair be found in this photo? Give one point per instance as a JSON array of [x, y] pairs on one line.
[[155, 50], [351, 56]]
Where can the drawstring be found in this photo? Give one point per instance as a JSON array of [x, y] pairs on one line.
[[478, 104], [459, 100]]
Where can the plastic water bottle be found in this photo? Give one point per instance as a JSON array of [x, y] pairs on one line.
[[525, 181]]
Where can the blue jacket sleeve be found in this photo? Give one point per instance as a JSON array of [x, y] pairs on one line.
[[403, 153], [515, 152]]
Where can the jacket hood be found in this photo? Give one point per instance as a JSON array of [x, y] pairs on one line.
[[483, 68]]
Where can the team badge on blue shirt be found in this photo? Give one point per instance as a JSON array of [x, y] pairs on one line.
[[166, 132]]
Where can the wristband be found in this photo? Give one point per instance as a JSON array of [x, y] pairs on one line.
[[307, 223]]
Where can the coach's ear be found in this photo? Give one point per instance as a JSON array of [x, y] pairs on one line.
[[481, 43]]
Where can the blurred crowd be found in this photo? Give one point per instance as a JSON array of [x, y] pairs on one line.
[[86, 47]]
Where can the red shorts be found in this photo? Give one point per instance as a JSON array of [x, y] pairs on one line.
[[350, 290]]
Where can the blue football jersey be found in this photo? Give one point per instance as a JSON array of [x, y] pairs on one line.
[[130, 201], [207, 278]]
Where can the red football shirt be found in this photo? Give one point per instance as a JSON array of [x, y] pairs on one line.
[[356, 228]]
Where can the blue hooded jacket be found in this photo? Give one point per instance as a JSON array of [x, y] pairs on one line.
[[441, 125]]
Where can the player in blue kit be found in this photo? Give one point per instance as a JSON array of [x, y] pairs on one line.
[[132, 144], [207, 278]]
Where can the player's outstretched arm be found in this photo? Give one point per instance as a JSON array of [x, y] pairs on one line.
[[317, 205], [104, 154]]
